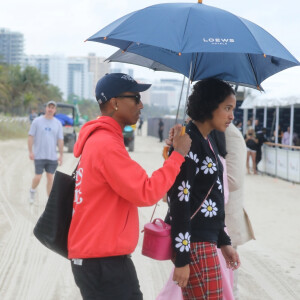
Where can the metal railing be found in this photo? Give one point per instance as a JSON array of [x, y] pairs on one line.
[[281, 161]]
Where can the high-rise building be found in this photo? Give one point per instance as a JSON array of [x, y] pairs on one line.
[[98, 67], [11, 47], [121, 68], [166, 93], [79, 78], [54, 66]]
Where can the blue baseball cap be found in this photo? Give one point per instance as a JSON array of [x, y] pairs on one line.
[[114, 84]]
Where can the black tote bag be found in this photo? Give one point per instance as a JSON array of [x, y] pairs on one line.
[[52, 227]]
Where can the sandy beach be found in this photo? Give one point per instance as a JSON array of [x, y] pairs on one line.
[[270, 267]]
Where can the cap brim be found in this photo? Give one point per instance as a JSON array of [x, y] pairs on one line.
[[140, 87]]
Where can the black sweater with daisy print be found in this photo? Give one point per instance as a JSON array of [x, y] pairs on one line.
[[198, 173]]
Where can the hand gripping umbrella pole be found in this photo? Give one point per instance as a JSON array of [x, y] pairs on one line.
[[166, 149]]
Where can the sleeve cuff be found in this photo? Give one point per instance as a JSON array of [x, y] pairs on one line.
[[177, 156], [224, 239], [181, 262]]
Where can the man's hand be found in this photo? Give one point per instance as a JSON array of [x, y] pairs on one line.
[[231, 257], [30, 144], [31, 155], [61, 151], [181, 275], [169, 140], [181, 143], [60, 160]]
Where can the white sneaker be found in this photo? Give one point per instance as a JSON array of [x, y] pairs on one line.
[[31, 195]]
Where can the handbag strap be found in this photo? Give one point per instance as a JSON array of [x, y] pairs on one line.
[[212, 149], [194, 214]]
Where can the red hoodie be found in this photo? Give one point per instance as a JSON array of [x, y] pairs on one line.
[[109, 188]]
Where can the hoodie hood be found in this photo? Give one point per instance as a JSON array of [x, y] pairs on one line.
[[103, 122]]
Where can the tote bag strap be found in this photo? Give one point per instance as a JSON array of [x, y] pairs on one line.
[[74, 172]]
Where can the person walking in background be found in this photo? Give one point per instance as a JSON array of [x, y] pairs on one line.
[[251, 143], [161, 127], [249, 124], [32, 115], [236, 219], [141, 121], [239, 125], [257, 125], [44, 135], [279, 135], [286, 137], [197, 268], [262, 138], [110, 186]]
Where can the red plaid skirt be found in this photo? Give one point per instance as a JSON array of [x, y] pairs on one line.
[[205, 280]]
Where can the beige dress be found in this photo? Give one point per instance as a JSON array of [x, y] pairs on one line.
[[236, 220]]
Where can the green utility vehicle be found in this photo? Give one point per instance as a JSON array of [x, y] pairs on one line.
[[67, 114]]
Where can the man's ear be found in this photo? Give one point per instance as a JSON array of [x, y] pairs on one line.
[[114, 103]]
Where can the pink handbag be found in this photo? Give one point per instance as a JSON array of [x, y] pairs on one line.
[[157, 240]]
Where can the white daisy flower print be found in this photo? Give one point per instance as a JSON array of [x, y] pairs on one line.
[[209, 208], [220, 187], [183, 242], [208, 166], [195, 158], [184, 191]]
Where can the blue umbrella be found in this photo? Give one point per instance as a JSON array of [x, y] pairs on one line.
[[199, 41], [135, 59]]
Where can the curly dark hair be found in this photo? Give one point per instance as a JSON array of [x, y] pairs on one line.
[[206, 96]]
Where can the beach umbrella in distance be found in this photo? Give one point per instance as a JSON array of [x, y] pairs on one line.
[[199, 41]]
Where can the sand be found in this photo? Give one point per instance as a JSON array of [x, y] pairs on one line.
[[270, 265]]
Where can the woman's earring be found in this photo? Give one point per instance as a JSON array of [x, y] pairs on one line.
[[116, 108]]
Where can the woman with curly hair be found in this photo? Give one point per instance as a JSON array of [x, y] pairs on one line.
[[196, 233]]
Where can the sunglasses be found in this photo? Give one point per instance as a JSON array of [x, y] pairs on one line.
[[137, 98]]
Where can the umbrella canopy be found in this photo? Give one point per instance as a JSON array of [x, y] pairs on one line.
[[199, 41], [135, 59]]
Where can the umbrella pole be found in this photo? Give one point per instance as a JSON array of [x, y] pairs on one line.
[[187, 91], [177, 114]]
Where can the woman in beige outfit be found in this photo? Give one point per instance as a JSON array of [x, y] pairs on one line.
[[236, 220]]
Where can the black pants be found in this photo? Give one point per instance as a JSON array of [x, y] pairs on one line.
[[160, 134], [107, 278]]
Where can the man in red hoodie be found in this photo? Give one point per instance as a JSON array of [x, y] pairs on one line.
[[110, 186]]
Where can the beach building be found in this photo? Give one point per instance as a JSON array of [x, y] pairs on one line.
[[98, 67], [54, 66], [80, 80], [11, 47]]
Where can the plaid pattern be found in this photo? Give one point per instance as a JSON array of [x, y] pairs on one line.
[[205, 280]]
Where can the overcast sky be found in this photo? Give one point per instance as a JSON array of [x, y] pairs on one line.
[[61, 26]]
